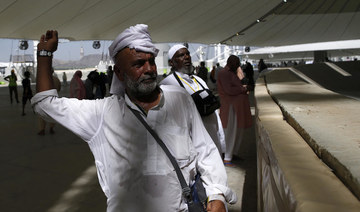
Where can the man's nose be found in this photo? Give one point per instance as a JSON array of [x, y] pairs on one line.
[[148, 67]]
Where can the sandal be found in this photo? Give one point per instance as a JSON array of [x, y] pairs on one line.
[[229, 164]]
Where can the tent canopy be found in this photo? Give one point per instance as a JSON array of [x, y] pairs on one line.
[[233, 22]]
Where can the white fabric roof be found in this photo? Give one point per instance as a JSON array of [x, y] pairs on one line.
[[304, 51], [197, 21]]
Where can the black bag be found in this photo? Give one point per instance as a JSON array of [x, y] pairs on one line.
[[198, 194], [195, 196], [206, 102]]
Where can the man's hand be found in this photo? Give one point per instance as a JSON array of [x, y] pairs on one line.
[[216, 206], [49, 41], [240, 73]]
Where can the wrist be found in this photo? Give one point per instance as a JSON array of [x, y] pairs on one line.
[[217, 197], [44, 53]]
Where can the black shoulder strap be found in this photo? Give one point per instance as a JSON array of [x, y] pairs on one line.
[[185, 188], [177, 78]]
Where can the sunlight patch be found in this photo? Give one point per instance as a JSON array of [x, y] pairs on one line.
[[69, 198]]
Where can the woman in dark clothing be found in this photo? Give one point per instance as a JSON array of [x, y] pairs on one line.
[[249, 75], [27, 92]]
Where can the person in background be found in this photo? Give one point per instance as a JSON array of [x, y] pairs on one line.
[[56, 81], [203, 72], [218, 68], [27, 92], [90, 84], [235, 111], [249, 75], [42, 122], [180, 61], [110, 74], [64, 78], [77, 87], [212, 74], [101, 92], [12, 86], [261, 65]]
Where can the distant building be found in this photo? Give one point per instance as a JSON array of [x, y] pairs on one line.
[[27, 58], [81, 52]]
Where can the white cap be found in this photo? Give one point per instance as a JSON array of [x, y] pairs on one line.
[[174, 49]]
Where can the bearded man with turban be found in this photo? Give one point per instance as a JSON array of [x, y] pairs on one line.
[[134, 172]]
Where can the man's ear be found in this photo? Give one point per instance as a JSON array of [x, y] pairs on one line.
[[171, 62], [119, 73]]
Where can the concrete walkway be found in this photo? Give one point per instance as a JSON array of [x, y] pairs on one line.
[[56, 172], [329, 122]]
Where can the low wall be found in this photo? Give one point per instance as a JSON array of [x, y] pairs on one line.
[[291, 177]]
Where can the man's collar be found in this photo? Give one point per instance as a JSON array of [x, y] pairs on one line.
[[137, 107], [186, 77]]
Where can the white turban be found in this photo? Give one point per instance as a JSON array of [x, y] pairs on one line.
[[117, 87], [174, 49], [135, 37]]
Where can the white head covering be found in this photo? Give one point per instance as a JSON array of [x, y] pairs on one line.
[[174, 49], [135, 37], [117, 87]]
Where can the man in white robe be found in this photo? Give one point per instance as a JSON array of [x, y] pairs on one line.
[[180, 61], [133, 171]]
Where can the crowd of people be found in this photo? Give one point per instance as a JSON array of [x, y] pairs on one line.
[[201, 126], [96, 85], [227, 124]]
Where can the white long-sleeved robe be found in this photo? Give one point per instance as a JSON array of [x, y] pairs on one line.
[[211, 122], [133, 171]]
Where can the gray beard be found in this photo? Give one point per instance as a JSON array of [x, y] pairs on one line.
[[138, 87], [186, 70]]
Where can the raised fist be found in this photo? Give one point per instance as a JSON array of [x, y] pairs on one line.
[[49, 41]]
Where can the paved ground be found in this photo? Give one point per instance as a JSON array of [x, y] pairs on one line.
[[56, 172]]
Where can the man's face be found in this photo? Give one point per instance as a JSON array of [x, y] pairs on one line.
[[181, 61], [137, 70]]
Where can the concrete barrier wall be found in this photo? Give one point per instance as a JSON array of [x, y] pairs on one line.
[[291, 177]]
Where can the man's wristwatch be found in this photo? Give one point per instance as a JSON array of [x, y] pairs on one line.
[[44, 53]]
